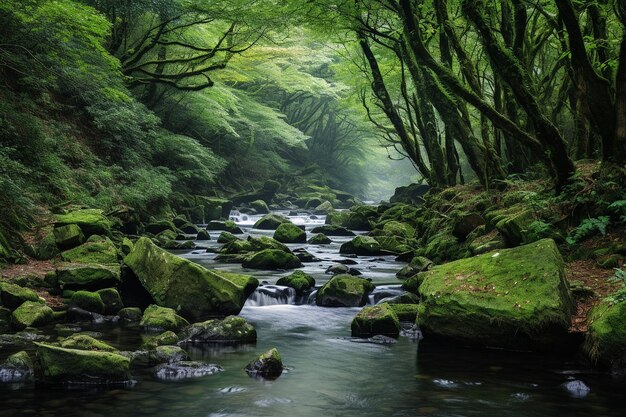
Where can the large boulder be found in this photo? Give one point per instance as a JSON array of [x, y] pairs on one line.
[[299, 281], [87, 276], [88, 301], [228, 226], [410, 194], [332, 230], [272, 259], [361, 245], [194, 291], [90, 221], [344, 291], [96, 250], [513, 298], [17, 368], [157, 318], [68, 236], [268, 365], [320, 239], [361, 218], [376, 320], [58, 365], [111, 299], [31, 314], [13, 296], [270, 222], [160, 226], [85, 342], [260, 206], [514, 227], [232, 329], [605, 342], [290, 233]]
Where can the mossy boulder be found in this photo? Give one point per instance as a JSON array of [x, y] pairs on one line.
[[232, 329], [333, 230], [270, 222], [228, 226], [466, 224], [405, 312], [203, 235], [189, 228], [58, 365], [85, 342], [13, 296], [226, 237], [361, 218], [68, 236], [157, 318], [268, 365], [514, 228], [167, 235], [290, 233], [361, 245], [196, 292], [90, 221], [512, 298], [160, 226], [165, 354], [130, 314], [605, 341], [95, 251], [337, 218], [163, 339], [31, 314], [260, 206], [344, 291], [272, 259], [394, 244], [17, 368], [87, 276], [376, 320], [397, 229], [299, 281], [324, 208], [89, 301], [46, 248], [320, 239], [111, 299]]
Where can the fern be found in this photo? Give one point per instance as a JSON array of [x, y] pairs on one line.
[[620, 295], [588, 228]]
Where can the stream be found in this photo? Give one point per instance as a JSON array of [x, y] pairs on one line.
[[329, 373]]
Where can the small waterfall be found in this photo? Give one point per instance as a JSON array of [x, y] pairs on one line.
[[270, 295]]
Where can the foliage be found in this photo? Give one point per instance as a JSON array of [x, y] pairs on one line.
[[619, 295], [588, 228]]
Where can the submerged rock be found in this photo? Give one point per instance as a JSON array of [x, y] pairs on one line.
[[157, 318], [376, 320], [232, 329], [159, 355], [272, 259], [576, 388], [268, 365], [17, 368], [515, 298], [194, 291], [290, 233], [185, 370], [57, 365], [299, 281], [344, 291]]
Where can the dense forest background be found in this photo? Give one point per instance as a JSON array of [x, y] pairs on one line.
[[110, 103]]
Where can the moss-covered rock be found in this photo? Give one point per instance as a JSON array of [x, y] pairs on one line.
[[167, 235], [100, 251], [203, 235], [90, 221], [514, 298], [157, 318], [337, 218], [89, 301], [165, 354], [58, 365], [46, 248], [405, 312], [163, 339], [361, 245], [130, 314], [226, 237], [111, 299], [268, 365], [466, 224], [376, 320], [397, 229], [126, 245], [86, 342], [324, 208], [514, 228], [320, 239], [174, 282], [605, 341], [272, 259], [13, 296], [361, 218], [228, 226], [232, 329], [270, 222], [189, 228], [260, 206], [17, 368], [299, 281], [344, 291], [290, 233], [87, 276], [68, 236], [394, 244], [31, 314], [160, 226], [332, 230]]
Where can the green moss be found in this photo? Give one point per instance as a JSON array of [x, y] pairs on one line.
[[515, 228], [290, 233], [270, 222], [46, 248], [226, 237], [320, 239], [31, 314], [299, 280], [13, 296], [100, 252], [90, 301], [162, 318], [245, 283], [90, 277], [160, 226], [203, 235], [260, 206], [166, 235], [126, 246], [399, 229], [111, 299], [332, 230], [130, 314], [376, 320], [68, 236], [59, 365], [395, 244], [267, 365], [507, 298], [86, 342], [605, 342], [344, 291], [405, 312], [163, 339], [337, 218], [20, 360], [232, 329], [174, 282], [361, 245], [90, 221], [272, 259]]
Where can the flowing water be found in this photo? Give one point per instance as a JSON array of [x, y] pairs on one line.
[[328, 373]]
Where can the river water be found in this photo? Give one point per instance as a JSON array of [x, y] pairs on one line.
[[330, 374]]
